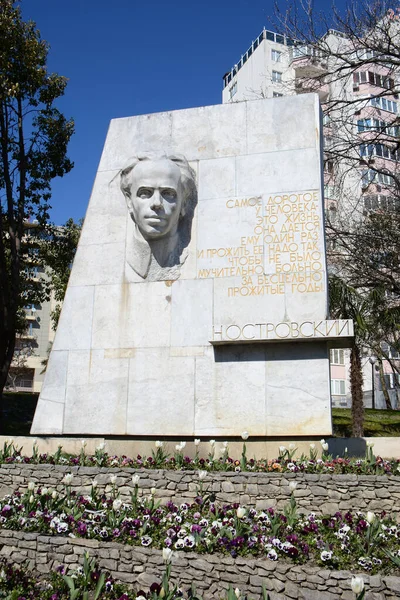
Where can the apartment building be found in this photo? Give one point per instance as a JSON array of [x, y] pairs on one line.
[[32, 345], [363, 105]]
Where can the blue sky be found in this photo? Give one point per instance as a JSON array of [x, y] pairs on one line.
[[131, 57]]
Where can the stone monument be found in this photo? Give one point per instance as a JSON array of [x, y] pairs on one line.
[[197, 302]]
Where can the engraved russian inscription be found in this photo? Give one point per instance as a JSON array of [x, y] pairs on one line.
[[279, 251]]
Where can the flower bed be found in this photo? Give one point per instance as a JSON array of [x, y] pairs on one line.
[[211, 575], [319, 493], [119, 521], [350, 540], [162, 458]]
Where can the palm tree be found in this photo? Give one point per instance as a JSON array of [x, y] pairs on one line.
[[376, 320], [347, 303]]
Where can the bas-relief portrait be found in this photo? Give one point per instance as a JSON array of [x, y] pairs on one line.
[[161, 196]]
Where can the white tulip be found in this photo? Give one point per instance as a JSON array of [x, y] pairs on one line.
[[202, 475], [113, 479], [245, 435], [167, 555], [292, 446], [94, 483], [135, 479], [240, 512], [282, 449], [345, 450], [322, 441], [212, 443], [178, 448], [153, 491], [370, 444], [44, 491], [31, 486], [225, 444], [237, 593], [357, 585], [101, 446], [68, 479], [183, 444], [84, 443], [370, 517], [117, 504], [159, 444], [31, 498], [10, 441], [312, 446], [292, 486], [196, 442], [325, 447], [54, 494]]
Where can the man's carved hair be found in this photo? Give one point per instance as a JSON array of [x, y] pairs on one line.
[[187, 175]]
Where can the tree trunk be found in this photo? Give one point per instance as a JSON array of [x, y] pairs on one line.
[[7, 345], [384, 388], [356, 381]]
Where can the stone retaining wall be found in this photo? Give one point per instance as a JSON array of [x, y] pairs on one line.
[[322, 494], [211, 574]]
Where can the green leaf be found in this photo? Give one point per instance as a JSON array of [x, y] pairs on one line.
[[99, 587]]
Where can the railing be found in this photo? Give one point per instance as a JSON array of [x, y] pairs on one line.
[[307, 51], [264, 35]]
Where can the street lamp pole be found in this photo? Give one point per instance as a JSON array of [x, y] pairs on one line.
[[373, 360]]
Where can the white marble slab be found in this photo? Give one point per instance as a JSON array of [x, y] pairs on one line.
[[161, 393], [132, 354]]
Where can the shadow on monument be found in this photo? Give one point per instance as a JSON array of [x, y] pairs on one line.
[[269, 352]]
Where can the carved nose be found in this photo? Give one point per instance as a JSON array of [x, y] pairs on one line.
[[156, 200]]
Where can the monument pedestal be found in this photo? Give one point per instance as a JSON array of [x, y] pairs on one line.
[[197, 302]]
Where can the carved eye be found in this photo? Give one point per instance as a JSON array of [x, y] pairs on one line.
[[169, 194], [144, 193]]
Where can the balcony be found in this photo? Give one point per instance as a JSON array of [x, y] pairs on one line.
[[307, 85], [31, 314], [308, 61]]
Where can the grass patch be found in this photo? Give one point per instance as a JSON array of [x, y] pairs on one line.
[[377, 423]]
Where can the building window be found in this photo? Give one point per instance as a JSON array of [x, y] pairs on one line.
[[381, 202], [337, 358], [392, 380], [371, 176], [390, 352], [276, 76], [329, 166], [378, 125], [338, 387], [276, 55], [233, 90], [326, 120], [374, 79], [32, 272], [277, 95], [379, 150], [384, 104], [330, 192]]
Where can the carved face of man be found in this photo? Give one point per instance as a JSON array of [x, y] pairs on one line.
[[156, 198]]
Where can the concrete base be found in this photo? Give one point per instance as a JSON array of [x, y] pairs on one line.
[[385, 447]]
